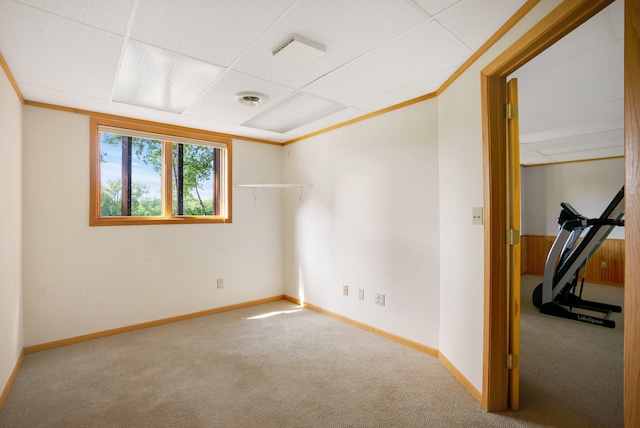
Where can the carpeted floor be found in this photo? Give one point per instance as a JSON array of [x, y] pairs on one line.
[[571, 372], [277, 365]]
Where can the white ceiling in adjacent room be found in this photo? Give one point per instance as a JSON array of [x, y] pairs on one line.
[[571, 97]]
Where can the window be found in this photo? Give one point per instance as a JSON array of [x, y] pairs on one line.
[[147, 174]]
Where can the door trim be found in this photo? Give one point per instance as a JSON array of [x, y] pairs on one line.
[[513, 253], [566, 17], [632, 212]]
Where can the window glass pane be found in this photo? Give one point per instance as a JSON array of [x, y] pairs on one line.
[[136, 162], [193, 179]]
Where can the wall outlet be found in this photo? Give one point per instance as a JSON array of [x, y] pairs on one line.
[[361, 294], [220, 283], [345, 290], [476, 215], [379, 299]]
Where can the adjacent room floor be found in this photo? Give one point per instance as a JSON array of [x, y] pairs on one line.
[[569, 367]]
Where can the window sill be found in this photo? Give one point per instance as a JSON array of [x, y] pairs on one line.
[[141, 221]]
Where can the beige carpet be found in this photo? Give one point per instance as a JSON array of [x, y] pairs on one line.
[[572, 372], [276, 365]]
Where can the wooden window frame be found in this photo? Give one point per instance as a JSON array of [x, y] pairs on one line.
[[222, 181]]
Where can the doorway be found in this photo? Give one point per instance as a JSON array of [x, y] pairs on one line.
[[570, 113], [565, 18]]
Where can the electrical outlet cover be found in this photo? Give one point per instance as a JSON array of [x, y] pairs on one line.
[[476, 215]]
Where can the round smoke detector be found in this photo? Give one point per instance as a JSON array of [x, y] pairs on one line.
[[251, 98]]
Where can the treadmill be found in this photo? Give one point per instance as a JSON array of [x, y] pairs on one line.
[[557, 295]]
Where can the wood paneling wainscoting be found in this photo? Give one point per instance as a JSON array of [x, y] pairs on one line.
[[605, 267]]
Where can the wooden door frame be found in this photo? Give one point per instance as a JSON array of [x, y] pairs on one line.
[[632, 213], [565, 18]]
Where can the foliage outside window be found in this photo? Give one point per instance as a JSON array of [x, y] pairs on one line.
[[145, 174]]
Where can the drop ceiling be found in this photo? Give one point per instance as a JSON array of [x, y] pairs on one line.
[[571, 97], [193, 57]]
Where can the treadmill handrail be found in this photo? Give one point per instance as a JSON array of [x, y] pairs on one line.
[[584, 223], [568, 213]]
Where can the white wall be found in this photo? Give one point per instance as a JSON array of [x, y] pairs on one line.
[[10, 229], [80, 279], [588, 186], [370, 221], [461, 178], [461, 242]]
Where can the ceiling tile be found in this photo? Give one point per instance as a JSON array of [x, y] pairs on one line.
[[213, 31], [544, 104], [581, 129], [112, 15], [592, 34], [535, 160], [564, 149], [219, 102], [616, 15], [204, 123], [325, 122], [473, 22], [261, 134], [70, 57], [350, 29], [415, 89], [593, 65], [65, 99], [584, 117], [128, 110], [561, 80], [601, 140], [621, 48], [530, 157], [160, 79], [424, 51], [589, 154], [433, 7], [297, 110], [225, 128]]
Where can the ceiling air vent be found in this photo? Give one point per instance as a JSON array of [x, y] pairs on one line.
[[251, 98], [299, 50]]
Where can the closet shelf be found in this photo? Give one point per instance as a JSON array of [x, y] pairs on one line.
[[283, 186], [299, 188]]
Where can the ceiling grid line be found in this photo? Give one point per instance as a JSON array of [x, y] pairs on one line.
[[48, 12], [125, 41]]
